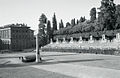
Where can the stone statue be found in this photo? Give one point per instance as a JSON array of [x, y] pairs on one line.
[[80, 39], [91, 39], [103, 40], [71, 39], [64, 40]]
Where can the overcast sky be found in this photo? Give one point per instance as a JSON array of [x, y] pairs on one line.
[[29, 11]]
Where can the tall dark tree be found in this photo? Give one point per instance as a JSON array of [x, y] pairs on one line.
[[42, 33], [117, 17], [43, 20], [61, 25], [93, 14], [107, 14], [82, 19], [73, 22], [54, 21], [68, 24], [49, 31], [77, 21]]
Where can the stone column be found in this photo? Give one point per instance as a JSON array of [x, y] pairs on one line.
[[37, 50]]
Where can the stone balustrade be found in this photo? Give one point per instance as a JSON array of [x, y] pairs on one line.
[[103, 43]]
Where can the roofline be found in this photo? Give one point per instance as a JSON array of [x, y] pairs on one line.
[[14, 27]]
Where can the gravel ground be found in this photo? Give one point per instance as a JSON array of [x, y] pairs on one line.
[[12, 67], [28, 72], [105, 61]]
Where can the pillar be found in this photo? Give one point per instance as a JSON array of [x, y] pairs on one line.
[[37, 50]]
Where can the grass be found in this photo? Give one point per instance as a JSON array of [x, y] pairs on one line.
[[90, 50]]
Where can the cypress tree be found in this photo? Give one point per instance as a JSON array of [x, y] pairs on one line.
[[93, 14], [117, 25], [77, 21], [54, 21], [42, 34], [68, 24], [49, 31], [73, 22], [43, 20], [61, 25], [82, 19]]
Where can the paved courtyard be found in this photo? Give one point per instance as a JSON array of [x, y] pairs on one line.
[[61, 65]]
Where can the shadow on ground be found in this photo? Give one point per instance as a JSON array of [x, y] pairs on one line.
[[2, 57], [69, 61], [58, 55], [46, 62]]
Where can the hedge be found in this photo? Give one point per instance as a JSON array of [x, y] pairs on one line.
[[93, 51]]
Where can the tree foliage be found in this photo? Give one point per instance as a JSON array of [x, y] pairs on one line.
[[68, 24], [49, 31], [107, 14], [42, 30], [82, 19], [54, 22], [61, 25], [93, 14], [43, 21], [117, 17], [108, 19], [77, 21], [73, 22], [43, 18]]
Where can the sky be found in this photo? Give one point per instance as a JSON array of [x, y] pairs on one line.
[[29, 11]]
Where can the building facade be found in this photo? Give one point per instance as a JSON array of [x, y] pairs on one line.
[[17, 37], [0, 44]]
